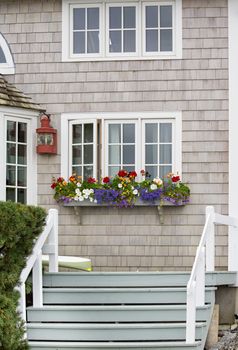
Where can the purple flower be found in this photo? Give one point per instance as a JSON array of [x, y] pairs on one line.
[[152, 196]]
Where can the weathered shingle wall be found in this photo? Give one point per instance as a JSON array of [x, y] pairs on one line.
[[197, 85]]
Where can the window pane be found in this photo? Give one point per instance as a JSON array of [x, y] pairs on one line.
[[77, 170], [151, 154], [152, 40], [10, 194], [114, 154], [11, 153], [129, 154], [93, 42], [22, 132], [11, 175], [164, 170], [165, 133], [2, 56], [22, 158], [88, 133], [115, 41], [165, 154], [152, 171], [77, 155], [151, 16], [78, 19], [88, 154], [128, 168], [129, 41], [21, 176], [21, 195], [166, 19], [113, 170], [11, 131], [88, 172], [114, 133], [115, 17], [79, 42], [77, 133], [166, 40], [93, 18], [151, 133], [128, 133], [129, 17]]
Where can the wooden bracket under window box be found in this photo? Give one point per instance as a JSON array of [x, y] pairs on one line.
[[158, 204]]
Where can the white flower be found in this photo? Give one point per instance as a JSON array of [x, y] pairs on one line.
[[158, 181], [91, 199], [85, 196], [153, 187], [78, 192], [79, 184], [120, 185], [81, 199], [132, 187], [135, 192], [95, 201], [76, 198]]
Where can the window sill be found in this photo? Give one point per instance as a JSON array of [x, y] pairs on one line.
[[158, 204]]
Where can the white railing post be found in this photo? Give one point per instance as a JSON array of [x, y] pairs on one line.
[[22, 300], [53, 242], [210, 240], [200, 279], [37, 290], [191, 314]]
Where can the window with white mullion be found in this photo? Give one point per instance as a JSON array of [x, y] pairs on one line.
[[122, 29], [16, 161], [85, 30], [158, 148], [158, 27], [83, 150], [121, 147]]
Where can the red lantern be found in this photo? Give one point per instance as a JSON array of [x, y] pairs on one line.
[[46, 137]]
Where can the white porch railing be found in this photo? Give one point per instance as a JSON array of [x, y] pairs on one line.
[[204, 261], [47, 243]]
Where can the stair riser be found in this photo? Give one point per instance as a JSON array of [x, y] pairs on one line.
[[131, 279], [168, 315], [102, 347], [130, 297], [114, 334]]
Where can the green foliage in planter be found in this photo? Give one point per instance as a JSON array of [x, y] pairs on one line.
[[20, 225]]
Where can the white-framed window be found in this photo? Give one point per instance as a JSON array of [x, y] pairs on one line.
[[107, 30], [18, 176], [6, 59], [129, 141]]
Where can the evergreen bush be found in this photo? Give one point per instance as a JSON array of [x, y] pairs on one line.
[[20, 225]]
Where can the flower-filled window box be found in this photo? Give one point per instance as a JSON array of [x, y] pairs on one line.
[[121, 190]]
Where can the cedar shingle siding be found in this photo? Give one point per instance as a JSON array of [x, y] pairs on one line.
[[197, 85]]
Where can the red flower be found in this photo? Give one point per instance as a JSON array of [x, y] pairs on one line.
[[53, 185], [132, 174], [122, 173], [91, 180], [175, 178], [60, 179], [142, 172], [106, 180]]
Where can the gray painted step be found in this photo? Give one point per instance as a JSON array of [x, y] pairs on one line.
[[132, 279], [111, 332], [114, 346], [162, 313], [119, 295]]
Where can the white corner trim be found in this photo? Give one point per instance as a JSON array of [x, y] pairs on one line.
[[233, 106], [8, 67]]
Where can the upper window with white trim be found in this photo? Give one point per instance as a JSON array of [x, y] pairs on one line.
[[107, 143], [107, 30], [6, 60]]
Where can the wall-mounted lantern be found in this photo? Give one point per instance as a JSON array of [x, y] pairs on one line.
[[46, 137]]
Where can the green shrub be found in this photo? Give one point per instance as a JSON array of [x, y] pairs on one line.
[[20, 225]]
